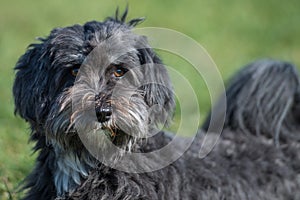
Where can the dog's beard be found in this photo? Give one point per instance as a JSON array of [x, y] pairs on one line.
[[127, 123]]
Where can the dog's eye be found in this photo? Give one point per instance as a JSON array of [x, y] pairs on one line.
[[119, 71], [75, 70]]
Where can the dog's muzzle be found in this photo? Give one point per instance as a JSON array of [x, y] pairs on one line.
[[103, 108]]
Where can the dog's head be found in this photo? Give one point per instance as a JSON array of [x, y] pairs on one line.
[[99, 76]]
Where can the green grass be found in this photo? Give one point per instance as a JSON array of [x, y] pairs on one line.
[[234, 33]]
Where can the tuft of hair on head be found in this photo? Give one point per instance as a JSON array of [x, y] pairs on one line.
[[123, 17], [263, 99]]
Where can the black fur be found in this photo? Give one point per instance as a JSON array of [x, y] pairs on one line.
[[241, 166]]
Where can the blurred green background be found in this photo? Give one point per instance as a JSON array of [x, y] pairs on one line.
[[234, 33]]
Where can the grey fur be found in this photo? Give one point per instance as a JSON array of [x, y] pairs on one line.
[[75, 112], [61, 112], [266, 104]]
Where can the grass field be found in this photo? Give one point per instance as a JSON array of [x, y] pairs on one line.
[[233, 32]]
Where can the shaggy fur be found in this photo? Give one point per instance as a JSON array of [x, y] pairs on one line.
[[263, 99], [60, 104]]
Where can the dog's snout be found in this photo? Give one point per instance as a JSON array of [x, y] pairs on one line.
[[103, 108]]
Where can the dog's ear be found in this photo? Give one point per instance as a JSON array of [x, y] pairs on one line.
[[158, 90], [27, 95]]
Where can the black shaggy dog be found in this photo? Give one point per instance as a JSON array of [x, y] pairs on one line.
[[91, 88]]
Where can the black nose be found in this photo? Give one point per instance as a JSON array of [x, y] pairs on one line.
[[103, 113], [103, 109]]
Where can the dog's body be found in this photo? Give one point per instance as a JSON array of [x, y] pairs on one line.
[[120, 80]]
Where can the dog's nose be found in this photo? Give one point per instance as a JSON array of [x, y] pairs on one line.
[[103, 109], [103, 114]]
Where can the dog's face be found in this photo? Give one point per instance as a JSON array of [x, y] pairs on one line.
[[99, 76]]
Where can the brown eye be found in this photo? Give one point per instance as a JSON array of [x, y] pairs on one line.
[[119, 71], [74, 71]]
